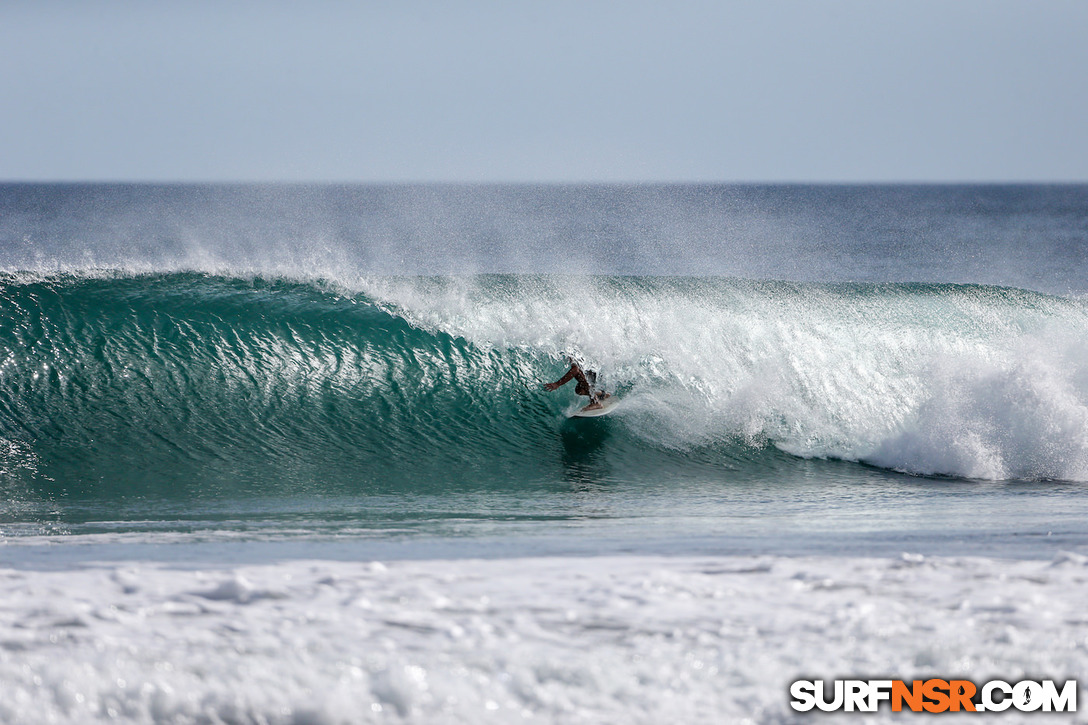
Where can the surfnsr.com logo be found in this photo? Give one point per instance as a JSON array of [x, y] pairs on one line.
[[934, 695]]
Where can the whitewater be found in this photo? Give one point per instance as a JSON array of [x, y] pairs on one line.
[[284, 454]]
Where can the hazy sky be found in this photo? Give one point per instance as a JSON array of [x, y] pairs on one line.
[[512, 90]]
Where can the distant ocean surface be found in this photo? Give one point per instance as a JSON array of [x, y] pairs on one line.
[[223, 403]]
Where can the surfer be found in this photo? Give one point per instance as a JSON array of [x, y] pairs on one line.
[[587, 380]]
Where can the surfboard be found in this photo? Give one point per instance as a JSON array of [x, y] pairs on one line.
[[606, 407]]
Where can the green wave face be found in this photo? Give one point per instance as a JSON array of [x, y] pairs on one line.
[[188, 385]]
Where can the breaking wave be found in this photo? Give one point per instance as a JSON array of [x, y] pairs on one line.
[[191, 384]]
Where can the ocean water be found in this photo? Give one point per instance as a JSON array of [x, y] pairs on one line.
[[283, 453]]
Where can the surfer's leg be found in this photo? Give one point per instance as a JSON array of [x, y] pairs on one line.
[[594, 399]]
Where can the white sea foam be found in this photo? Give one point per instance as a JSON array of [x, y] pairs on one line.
[[585, 640], [964, 381]]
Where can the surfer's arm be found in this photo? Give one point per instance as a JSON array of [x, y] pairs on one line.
[[563, 380]]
